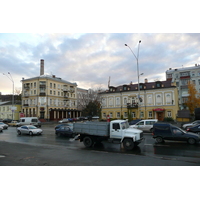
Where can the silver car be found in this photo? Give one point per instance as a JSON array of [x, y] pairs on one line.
[[29, 129], [5, 126]]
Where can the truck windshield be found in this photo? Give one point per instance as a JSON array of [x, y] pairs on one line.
[[125, 125]]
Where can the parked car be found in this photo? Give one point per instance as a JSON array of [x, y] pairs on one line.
[[1, 129], [134, 121], [29, 129], [194, 129], [185, 126], [145, 125], [163, 131], [65, 130], [13, 123], [65, 120], [64, 124], [5, 126], [83, 118], [7, 120]]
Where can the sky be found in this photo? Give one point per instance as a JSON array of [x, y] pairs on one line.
[[86, 45], [89, 59]]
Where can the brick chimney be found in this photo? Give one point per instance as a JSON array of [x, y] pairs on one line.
[[41, 67]]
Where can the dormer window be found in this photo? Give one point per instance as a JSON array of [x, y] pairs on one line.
[[158, 84]]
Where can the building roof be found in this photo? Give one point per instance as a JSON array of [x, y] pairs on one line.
[[50, 77], [183, 69], [143, 86]]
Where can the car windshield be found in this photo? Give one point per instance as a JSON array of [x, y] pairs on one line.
[[125, 125], [32, 127]]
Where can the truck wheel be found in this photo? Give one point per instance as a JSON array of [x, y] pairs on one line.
[[128, 144], [88, 142], [159, 139], [191, 141]]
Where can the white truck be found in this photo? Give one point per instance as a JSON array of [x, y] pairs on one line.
[[116, 131]]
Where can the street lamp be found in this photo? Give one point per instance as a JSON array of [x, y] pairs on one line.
[[13, 91], [138, 75]]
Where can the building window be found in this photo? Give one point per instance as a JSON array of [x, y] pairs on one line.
[[149, 100], [168, 98], [110, 101], [34, 84], [169, 114], [54, 92], [50, 85], [34, 91], [158, 98], [54, 85], [125, 114], [133, 115], [118, 101], [194, 82], [104, 115], [150, 114], [125, 101], [50, 91], [118, 114], [142, 114], [111, 115], [58, 93]]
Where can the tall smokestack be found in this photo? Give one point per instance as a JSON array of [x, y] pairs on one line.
[[41, 67]]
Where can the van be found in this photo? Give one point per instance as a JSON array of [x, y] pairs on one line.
[[145, 125], [29, 121], [162, 131]]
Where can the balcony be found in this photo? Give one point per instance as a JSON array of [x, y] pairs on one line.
[[26, 87], [42, 85], [25, 105], [26, 95], [132, 105], [42, 94]]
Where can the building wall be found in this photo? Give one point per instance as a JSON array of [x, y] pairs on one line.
[[43, 95], [166, 99], [7, 113]]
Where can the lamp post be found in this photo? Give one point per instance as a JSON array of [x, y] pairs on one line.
[[13, 92], [138, 75]]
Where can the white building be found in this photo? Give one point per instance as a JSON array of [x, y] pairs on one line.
[[181, 77]]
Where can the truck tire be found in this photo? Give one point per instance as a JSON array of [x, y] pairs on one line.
[[191, 141], [128, 144], [159, 140], [88, 142]]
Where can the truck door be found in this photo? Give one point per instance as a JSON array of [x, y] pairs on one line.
[[116, 131], [140, 125]]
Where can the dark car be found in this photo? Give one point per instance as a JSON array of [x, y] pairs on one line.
[[7, 121], [60, 125], [65, 131], [134, 121], [162, 131], [194, 129]]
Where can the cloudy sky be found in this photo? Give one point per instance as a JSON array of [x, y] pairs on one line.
[[94, 52]]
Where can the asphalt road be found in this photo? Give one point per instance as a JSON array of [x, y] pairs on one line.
[[50, 150]]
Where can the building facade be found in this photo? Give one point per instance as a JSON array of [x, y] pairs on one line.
[[157, 100], [181, 77], [49, 97], [9, 111]]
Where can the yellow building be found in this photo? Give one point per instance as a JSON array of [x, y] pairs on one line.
[[49, 97], [9, 111], [158, 100]]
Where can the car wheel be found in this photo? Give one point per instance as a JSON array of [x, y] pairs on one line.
[[128, 144], [31, 133], [88, 142], [159, 140], [19, 132], [191, 141]]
